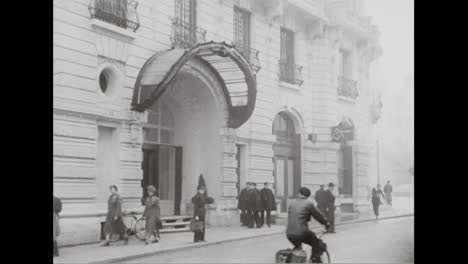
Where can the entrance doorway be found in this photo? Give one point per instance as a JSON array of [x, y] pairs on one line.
[[162, 160], [162, 168], [286, 160], [345, 171]]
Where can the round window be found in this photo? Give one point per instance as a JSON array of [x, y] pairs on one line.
[[103, 82], [109, 80]]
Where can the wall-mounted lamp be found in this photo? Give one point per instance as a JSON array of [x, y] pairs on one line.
[[312, 137]]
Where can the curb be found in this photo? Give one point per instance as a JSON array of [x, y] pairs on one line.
[[199, 245]]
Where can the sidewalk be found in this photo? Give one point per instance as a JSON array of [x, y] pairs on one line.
[[94, 253]]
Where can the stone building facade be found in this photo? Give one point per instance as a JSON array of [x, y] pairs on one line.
[[161, 91]]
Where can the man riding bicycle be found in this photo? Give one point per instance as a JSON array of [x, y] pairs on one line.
[[297, 231]]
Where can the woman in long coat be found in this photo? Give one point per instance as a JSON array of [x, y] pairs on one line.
[[114, 223], [376, 199], [152, 215], [199, 211], [57, 210]]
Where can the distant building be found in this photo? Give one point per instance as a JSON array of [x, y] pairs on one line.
[[157, 92]]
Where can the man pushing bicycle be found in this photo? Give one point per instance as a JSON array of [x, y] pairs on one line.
[[297, 231]]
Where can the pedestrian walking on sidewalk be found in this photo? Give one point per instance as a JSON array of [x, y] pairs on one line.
[[152, 216], [388, 192], [330, 208], [114, 223], [242, 205], [200, 200], [57, 209], [268, 204], [320, 198], [376, 200]]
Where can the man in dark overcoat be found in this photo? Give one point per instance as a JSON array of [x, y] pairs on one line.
[[251, 205], [268, 204], [242, 205], [330, 207], [320, 198], [258, 205]]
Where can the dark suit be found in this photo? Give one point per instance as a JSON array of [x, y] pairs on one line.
[[320, 199], [253, 201], [268, 205], [199, 201], [330, 209], [242, 205]]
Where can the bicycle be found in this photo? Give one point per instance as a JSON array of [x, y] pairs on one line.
[[284, 256], [135, 226]]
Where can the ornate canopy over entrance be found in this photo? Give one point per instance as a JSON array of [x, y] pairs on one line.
[[227, 64]]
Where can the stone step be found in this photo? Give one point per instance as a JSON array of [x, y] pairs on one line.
[[175, 223], [174, 230]]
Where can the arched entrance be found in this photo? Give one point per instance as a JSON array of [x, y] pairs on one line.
[[191, 98], [287, 158]]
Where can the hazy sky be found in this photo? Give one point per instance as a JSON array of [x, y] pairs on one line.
[[392, 74]]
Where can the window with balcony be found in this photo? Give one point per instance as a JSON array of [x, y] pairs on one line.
[[121, 13], [347, 87], [242, 19], [289, 71], [186, 34], [242, 30]]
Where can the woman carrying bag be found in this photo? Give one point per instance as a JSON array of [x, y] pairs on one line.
[[199, 212], [114, 223]]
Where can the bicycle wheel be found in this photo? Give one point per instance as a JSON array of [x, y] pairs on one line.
[[129, 222], [325, 257], [140, 229]]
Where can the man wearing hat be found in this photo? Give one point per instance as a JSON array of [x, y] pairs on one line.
[[268, 204], [258, 205], [242, 205], [329, 199], [320, 198]]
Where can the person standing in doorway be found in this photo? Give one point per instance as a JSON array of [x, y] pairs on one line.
[[388, 192], [330, 208], [200, 200], [57, 209], [114, 224], [268, 204], [320, 198], [242, 205], [376, 192], [152, 216]]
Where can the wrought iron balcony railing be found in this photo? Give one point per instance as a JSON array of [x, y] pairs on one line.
[[347, 87], [291, 73], [186, 35], [251, 55], [121, 13]]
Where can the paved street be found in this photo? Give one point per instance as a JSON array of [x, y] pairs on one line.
[[388, 241]]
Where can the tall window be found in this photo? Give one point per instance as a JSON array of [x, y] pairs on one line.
[[160, 126], [345, 64], [185, 11], [185, 23], [287, 55], [242, 30]]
